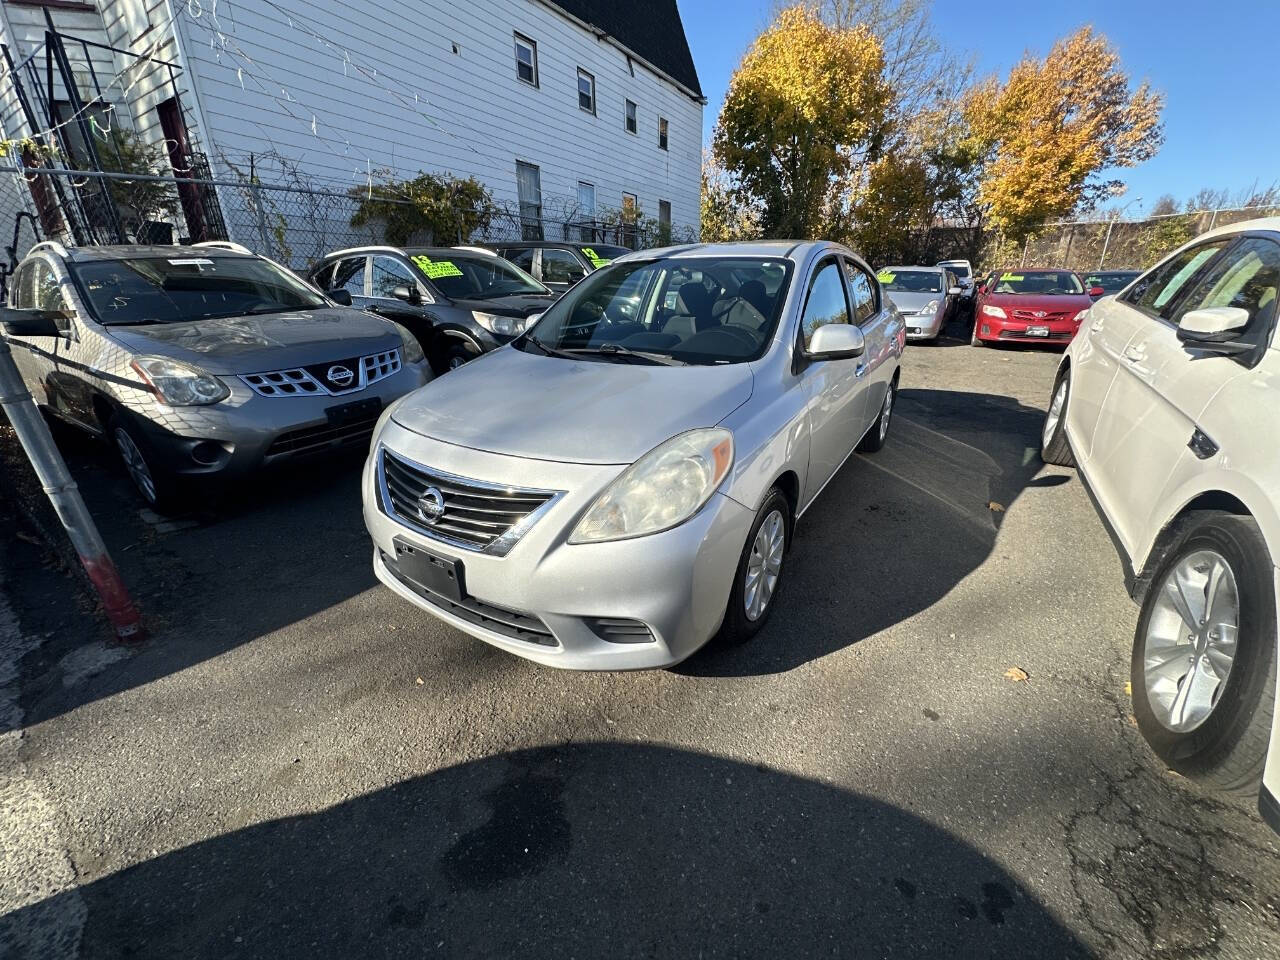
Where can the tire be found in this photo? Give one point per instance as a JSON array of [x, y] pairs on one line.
[[1054, 447], [973, 338], [1220, 734], [450, 356], [157, 487], [874, 438], [743, 618]]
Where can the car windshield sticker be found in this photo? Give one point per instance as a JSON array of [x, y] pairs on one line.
[[597, 261], [437, 268], [884, 276], [1014, 277]]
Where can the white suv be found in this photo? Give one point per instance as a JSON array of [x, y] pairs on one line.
[[1168, 401]]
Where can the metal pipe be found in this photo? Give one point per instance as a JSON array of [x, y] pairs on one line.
[[1106, 243], [33, 433]]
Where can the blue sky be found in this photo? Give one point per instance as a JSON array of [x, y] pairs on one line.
[[1208, 59]]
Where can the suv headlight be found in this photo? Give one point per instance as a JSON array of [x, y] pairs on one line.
[[412, 348], [991, 311], [180, 384], [502, 326], [662, 489], [930, 307]]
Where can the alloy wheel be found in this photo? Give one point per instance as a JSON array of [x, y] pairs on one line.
[[1190, 641], [1054, 416], [886, 412], [764, 565], [135, 464]]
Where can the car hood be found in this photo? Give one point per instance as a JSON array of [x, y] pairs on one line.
[[1069, 303], [571, 411], [273, 341], [913, 302], [522, 305]]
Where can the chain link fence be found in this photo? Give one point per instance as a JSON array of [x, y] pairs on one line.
[[1087, 245], [293, 225]]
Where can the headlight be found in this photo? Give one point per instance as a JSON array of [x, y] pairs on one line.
[[991, 311], [503, 326], [930, 307], [179, 384], [662, 489], [1081, 315], [412, 348]]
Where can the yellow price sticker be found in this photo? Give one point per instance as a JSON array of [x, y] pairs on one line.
[[884, 276], [1014, 277], [597, 261], [435, 269]]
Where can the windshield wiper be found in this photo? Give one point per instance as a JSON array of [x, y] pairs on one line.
[[618, 350], [548, 351]]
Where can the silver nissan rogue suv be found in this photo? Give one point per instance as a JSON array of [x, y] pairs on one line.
[[200, 363]]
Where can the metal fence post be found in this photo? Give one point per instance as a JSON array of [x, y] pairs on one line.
[[33, 433], [1106, 243], [1213, 219], [1025, 244]]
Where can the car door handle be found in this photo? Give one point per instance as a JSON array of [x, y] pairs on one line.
[[860, 369]]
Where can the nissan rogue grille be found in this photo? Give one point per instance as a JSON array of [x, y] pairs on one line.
[[472, 514], [320, 379]]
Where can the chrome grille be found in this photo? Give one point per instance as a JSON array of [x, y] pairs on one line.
[[312, 380], [485, 517]]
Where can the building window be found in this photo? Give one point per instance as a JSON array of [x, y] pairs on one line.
[[631, 117], [662, 133], [586, 210], [586, 91], [664, 221], [526, 60], [529, 189]]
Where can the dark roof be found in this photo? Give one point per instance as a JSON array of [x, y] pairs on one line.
[[652, 28]]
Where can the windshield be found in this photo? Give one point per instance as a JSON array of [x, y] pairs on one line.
[[1111, 281], [682, 310], [1042, 283], [179, 288], [959, 269], [910, 281], [460, 275]]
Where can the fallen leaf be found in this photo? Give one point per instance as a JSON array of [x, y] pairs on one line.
[[419, 681], [995, 507], [1128, 688], [1017, 675]]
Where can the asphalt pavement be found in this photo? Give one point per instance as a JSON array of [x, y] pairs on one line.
[[928, 752]]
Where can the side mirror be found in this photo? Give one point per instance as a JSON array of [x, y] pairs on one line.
[[954, 291], [407, 294], [342, 297], [982, 289], [33, 323], [836, 341], [1096, 292], [1212, 325]]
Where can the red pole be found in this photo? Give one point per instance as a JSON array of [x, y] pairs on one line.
[[52, 471]]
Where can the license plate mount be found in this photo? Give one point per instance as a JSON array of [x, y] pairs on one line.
[[442, 575], [345, 413], [1037, 331]]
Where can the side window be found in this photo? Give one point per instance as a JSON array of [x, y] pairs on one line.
[[349, 276], [560, 266], [826, 303], [522, 259], [20, 296], [322, 276], [389, 273], [46, 291], [1156, 290], [1248, 277], [862, 292]]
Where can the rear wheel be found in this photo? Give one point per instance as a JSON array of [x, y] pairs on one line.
[[759, 576], [874, 438], [1204, 655], [1053, 438]]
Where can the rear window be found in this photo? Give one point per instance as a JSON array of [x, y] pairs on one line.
[[1041, 283], [178, 288]]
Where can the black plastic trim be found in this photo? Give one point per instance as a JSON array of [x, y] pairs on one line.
[[1131, 583]]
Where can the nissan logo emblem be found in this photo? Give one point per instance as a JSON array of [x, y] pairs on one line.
[[340, 376], [431, 505]]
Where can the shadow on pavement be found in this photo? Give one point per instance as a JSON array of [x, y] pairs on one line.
[[894, 531], [598, 850]]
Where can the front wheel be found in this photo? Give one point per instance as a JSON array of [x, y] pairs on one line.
[[155, 485], [1054, 447], [759, 575], [1204, 655], [874, 438]]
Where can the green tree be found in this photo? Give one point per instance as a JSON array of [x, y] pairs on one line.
[[430, 208]]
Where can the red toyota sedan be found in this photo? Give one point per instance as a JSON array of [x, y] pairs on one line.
[[1029, 306]]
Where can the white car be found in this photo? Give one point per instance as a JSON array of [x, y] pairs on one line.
[[1168, 402]]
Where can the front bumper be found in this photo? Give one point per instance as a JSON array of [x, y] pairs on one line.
[[994, 329], [923, 326], [246, 431], [676, 583]]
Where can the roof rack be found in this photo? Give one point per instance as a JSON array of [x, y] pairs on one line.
[[53, 245], [224, 245]]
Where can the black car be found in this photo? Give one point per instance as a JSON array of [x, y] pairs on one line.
[[559, 265], [459, 303], [1111, 281]]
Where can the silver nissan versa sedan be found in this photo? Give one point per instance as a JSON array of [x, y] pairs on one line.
[[621, 482]]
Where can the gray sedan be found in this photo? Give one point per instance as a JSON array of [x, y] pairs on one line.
[[924, 295], [621, 482]]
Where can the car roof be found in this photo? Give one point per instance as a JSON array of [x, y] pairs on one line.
[[784, 249], [130, 251], [912, 266]]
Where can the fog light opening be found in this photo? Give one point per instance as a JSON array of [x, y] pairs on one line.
[[207, 452]]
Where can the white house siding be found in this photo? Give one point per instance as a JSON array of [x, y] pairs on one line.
[[471, 117]]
